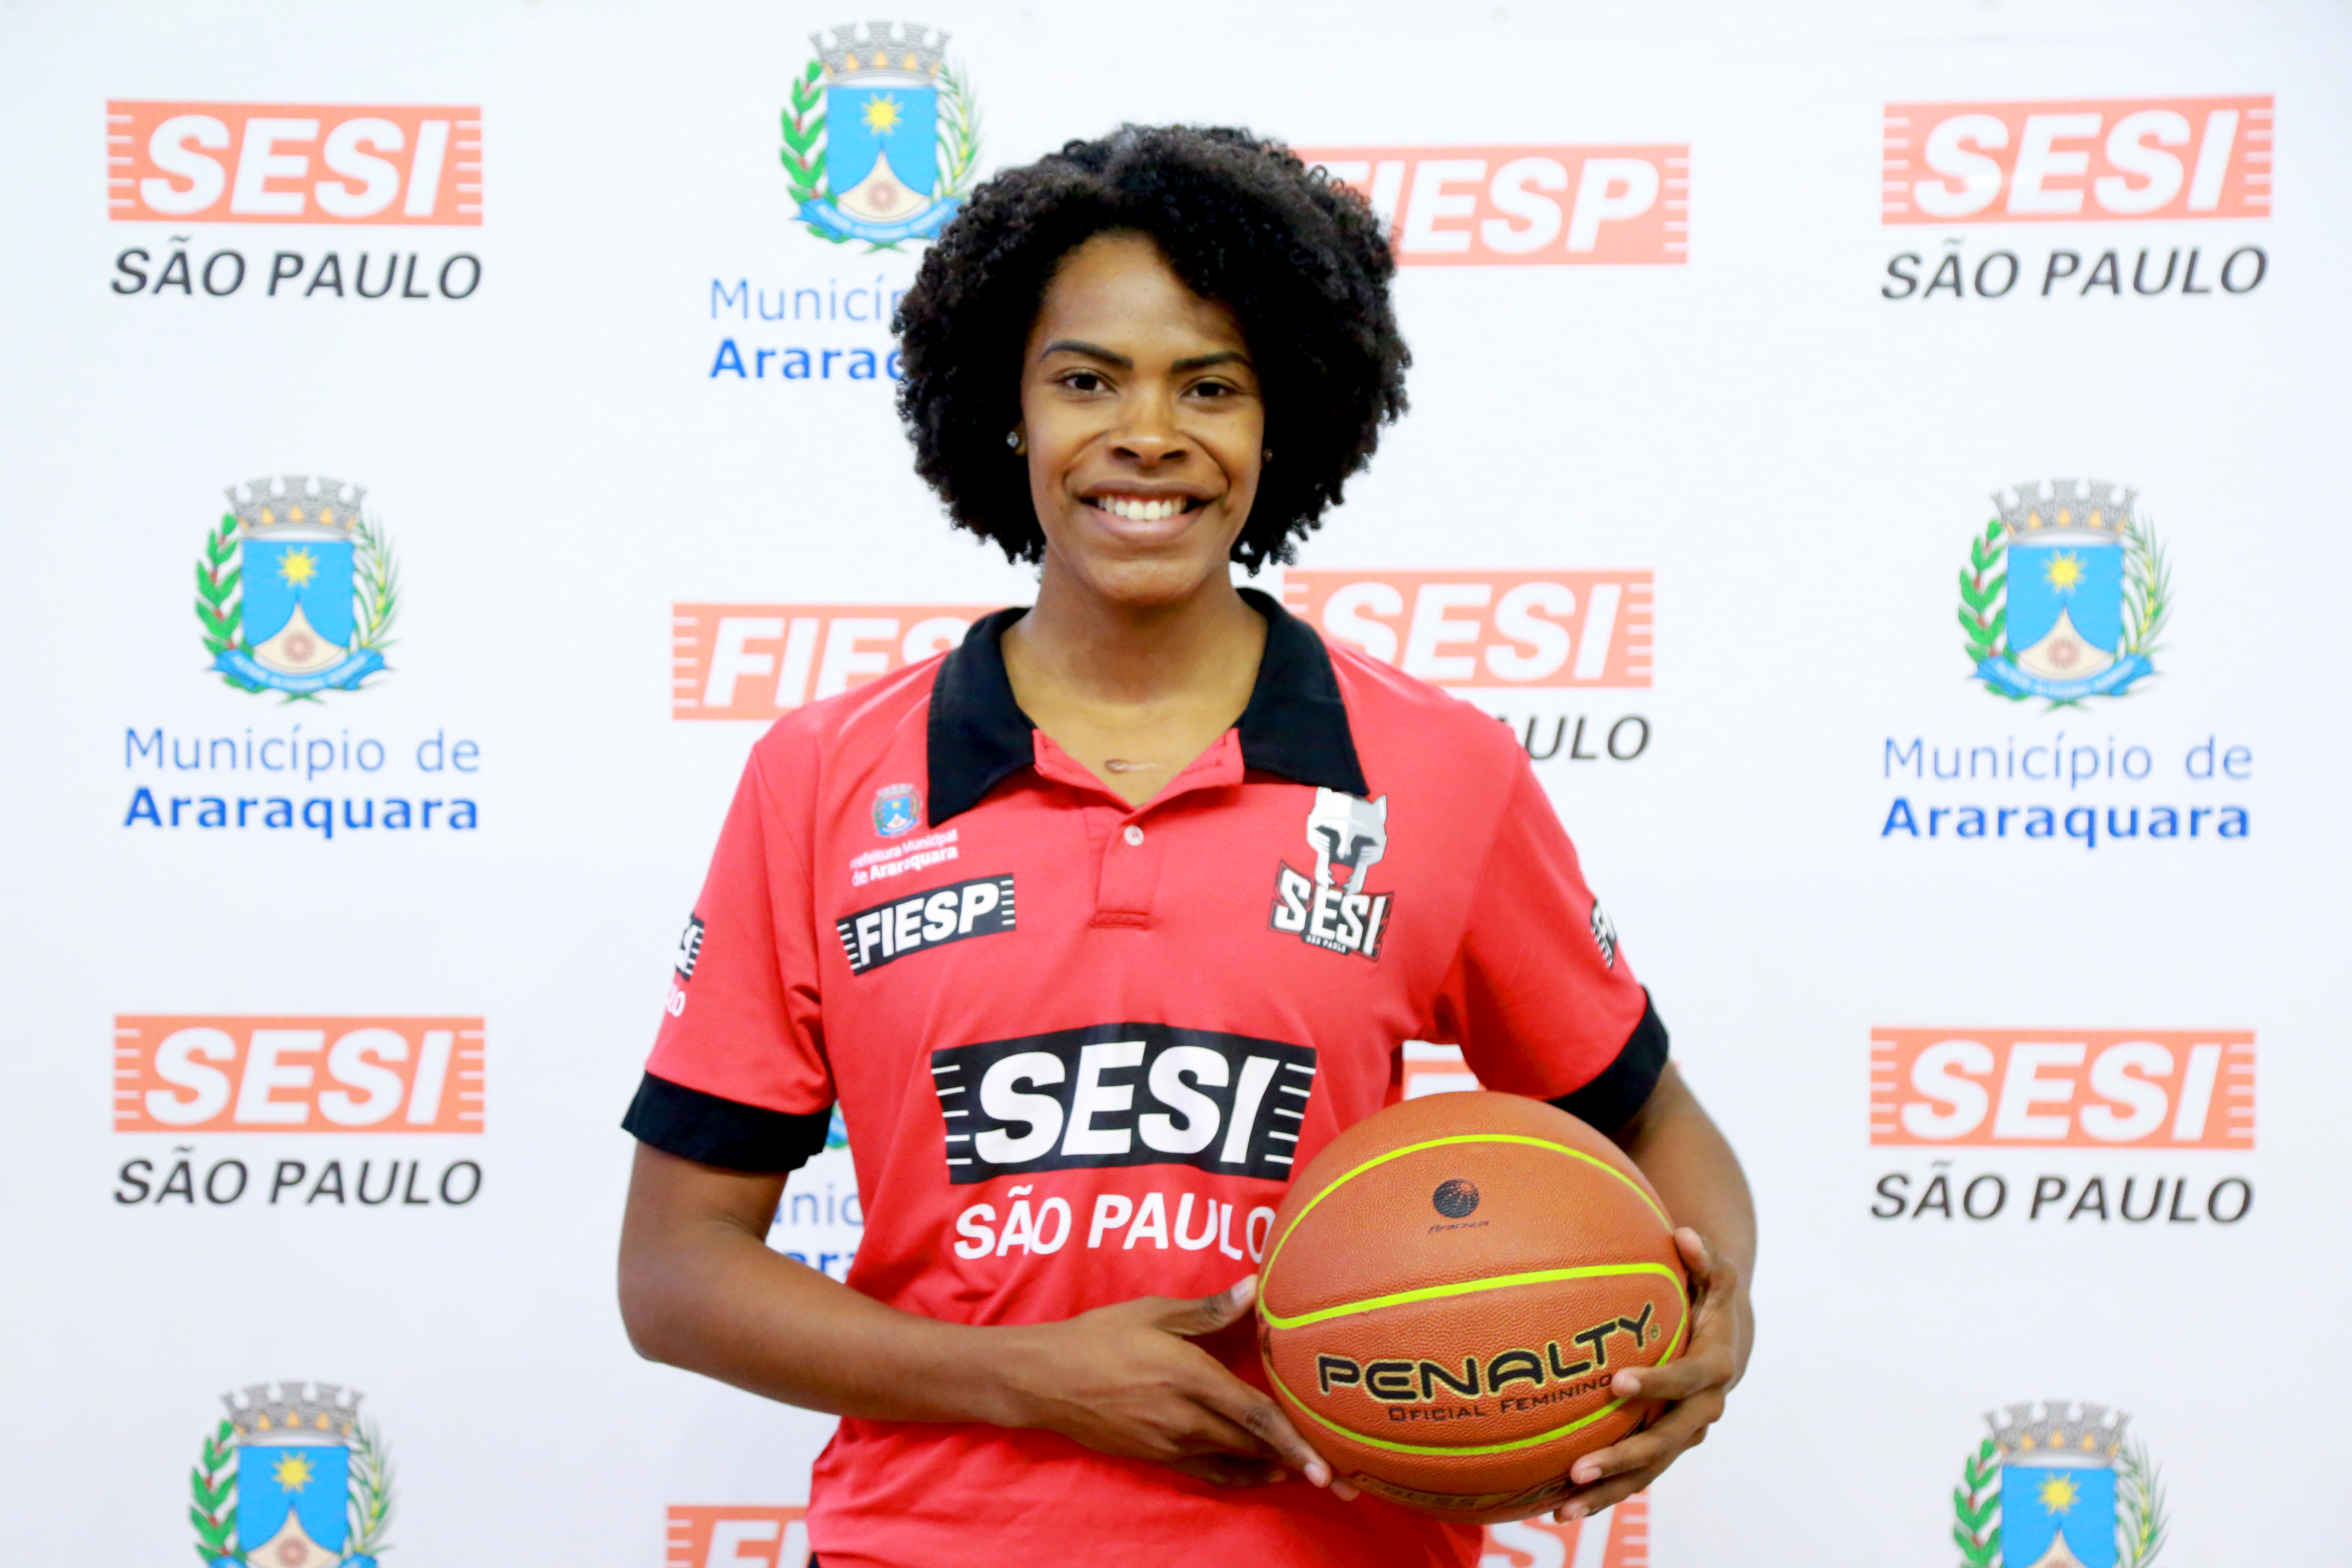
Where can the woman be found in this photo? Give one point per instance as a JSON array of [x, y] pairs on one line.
[[1077, 1056]]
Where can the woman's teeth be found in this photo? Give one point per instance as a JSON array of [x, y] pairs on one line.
[[1140, 511]]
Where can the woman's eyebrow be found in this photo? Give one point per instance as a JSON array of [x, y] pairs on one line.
[[1073, 346], [1202, 362]]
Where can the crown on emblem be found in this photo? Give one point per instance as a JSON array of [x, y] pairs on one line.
[[294, 1410], [2071, 504], [2056, 1431], [296, 500], [902, 51]]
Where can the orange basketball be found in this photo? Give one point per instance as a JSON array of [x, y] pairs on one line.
[[1452, 1284]]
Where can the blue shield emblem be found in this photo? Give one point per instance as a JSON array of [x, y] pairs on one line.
[[312, 577], [282, 1490], [2069, 604], [2080, 582], [885, 148], [288, 617], [306, 1484], [897, 809], [882, 147], [2057, 1515]]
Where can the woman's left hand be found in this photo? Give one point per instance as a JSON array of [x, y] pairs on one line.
[[1694, 1384]]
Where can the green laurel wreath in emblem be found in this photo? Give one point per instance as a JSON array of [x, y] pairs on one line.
[[2148, 589], [1974, 1503], [803, 150], [1984, 601], [2141, 1524], [803, 153], [219, 606], [372, 1498], [212, 1489], [220, 603], [375, 587]]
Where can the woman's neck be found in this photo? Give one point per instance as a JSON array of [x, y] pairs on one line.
[[1134, 693], [1096, 651]]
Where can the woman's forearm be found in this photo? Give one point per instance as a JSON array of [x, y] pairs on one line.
[[1688, 1158], [701, 1289]]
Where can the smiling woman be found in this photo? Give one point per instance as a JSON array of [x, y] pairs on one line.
[[1077, 1071], [1299, 267]]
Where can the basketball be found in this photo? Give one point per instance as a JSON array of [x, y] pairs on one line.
[[1451, 1286]]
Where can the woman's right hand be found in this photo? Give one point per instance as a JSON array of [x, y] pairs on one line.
[[1128, 1380]]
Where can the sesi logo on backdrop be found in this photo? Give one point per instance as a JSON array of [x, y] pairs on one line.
[[2181, 1096], [2192, 160], [328, 165], [2063, 1489], [1524, 207], [1489, 632], [316, 1076], [2065, 595], [297, 1480]]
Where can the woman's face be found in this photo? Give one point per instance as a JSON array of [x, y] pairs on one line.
[[1143, 422]]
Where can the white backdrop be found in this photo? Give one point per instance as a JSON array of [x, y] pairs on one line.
[[1735, 409]]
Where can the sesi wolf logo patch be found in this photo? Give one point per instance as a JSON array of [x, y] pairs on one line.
[[1350, 836]]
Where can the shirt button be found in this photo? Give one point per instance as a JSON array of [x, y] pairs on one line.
[[1134, 835]]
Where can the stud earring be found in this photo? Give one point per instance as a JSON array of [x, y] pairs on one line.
[[1013, 439], [1266, 456]]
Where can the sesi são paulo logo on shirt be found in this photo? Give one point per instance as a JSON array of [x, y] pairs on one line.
[[1122, 1094], [1350, 835]]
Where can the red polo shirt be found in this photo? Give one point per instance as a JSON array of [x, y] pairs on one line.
[[1079, 1046]]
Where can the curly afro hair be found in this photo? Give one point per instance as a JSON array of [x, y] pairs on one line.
[[1301, 262]]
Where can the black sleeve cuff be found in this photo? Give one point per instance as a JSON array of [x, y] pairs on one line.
[[709, 1130], [1623, 1088]]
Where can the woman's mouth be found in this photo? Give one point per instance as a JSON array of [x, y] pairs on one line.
[[1145, 508]]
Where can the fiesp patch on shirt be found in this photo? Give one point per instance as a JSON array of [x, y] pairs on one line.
[[1123, 1094], [919, 922]]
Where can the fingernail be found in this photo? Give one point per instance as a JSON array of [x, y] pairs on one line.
[[1627, 1384], [1344, 1492], [1585, 1474], [1320, 1474], [1244, 1288], [1572, 1512]]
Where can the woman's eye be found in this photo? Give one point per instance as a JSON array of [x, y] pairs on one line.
[[1083, 381], [1212, 389]]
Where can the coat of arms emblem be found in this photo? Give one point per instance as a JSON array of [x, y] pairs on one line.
[[2061, 1489], [882, 136], [297, 1481], [297, 590], [2065, 594]]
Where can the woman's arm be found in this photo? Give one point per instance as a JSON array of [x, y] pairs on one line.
[[1679, 1148], [701, 1289]]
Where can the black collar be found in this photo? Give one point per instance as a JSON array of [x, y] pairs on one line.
[[1295, 724]]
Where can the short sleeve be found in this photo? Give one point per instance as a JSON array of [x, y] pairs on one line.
[[1540, 996], [738, 1077]]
